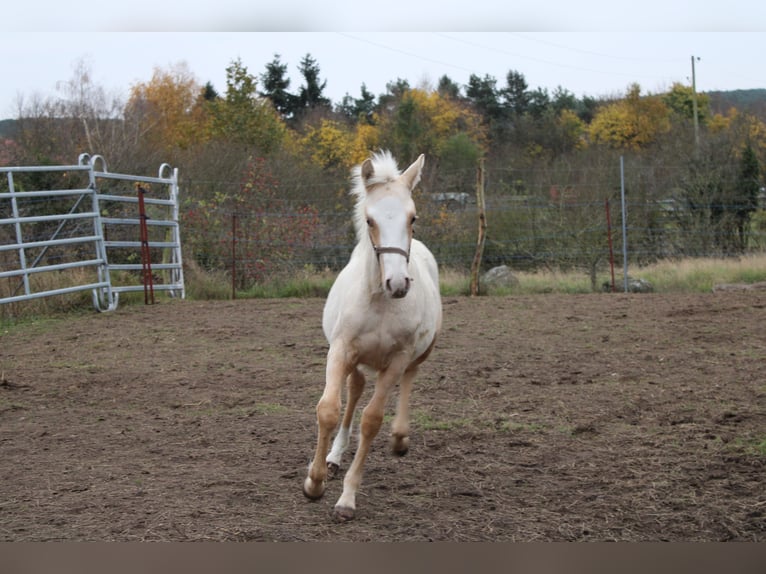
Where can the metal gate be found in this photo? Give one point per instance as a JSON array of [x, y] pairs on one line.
[[114, 232]]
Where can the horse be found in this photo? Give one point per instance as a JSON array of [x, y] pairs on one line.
[[383, 312]]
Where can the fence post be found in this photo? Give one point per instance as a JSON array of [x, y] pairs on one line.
[[233, 255], [624, 226], [476, 265], [609, 235]]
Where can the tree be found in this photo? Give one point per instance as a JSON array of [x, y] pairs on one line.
[[484, 95], [337, 145], [539, 103], [421, 122], [563, 99], [680, 100], [275, 84], [243, 117], [447, 88], [632, 122], [168, 110], [82, 117], [209, 93], [360, 109], [515, 94], [310, 95], [746, 192]]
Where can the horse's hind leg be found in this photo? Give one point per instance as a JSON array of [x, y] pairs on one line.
[[400, 427], [355, 382]]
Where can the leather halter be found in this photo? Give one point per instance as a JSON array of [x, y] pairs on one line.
[[379, 250]]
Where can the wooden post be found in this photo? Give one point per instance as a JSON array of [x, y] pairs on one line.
[[234, 255], [476, 265], [609, 236]]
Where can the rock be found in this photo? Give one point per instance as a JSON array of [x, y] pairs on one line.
[[500, 276], [634, 286], [639, 285]]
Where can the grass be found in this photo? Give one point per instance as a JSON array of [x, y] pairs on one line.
[[700, 275], [697, 275], [303, 283], [752, 446]]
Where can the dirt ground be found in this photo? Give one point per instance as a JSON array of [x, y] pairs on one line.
[[537, 418]]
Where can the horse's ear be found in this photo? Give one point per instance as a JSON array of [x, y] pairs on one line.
[[367, 170], [411, 176]]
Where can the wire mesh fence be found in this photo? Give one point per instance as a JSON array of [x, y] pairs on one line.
[[542, 219], [532, 223]]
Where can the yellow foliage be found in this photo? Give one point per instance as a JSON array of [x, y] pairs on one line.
[[719, 123], [633, 122], [425, 121], [169, 108], [335, 144], [572, 127], [744, 128]]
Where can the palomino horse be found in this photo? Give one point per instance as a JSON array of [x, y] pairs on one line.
[[383, 312]]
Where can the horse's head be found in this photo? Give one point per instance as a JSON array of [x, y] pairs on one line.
[[389, 214]]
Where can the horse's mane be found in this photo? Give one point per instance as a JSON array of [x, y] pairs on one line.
[[384, 170]]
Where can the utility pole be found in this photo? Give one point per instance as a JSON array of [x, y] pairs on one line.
[[694, 104]]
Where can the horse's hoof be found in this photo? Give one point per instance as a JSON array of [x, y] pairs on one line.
[[400, 445], [332, 470], [313, 490], [343, 514]]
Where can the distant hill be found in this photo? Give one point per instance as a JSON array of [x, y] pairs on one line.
[[751, 101], [7, 129]]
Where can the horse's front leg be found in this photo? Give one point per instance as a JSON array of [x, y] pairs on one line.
[[328, 413], [372, 418], [400, 428], [355, 382]]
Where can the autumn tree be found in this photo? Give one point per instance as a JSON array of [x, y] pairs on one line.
[[421, 122], [632, 122], [680, 100], [334, 144], [169, 110], [242, 116]]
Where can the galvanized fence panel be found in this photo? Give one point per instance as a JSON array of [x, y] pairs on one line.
[[57, 218]]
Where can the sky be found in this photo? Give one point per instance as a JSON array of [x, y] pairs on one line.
[[589, 47]]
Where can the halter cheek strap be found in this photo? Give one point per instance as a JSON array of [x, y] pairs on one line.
[[379, 250]]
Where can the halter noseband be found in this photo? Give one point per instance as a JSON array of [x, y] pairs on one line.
[[379, 250]]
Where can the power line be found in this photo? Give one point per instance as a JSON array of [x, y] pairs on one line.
[[592, 53], [404, 52]]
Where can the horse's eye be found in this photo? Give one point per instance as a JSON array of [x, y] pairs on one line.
[[369, 222], [414, 219]]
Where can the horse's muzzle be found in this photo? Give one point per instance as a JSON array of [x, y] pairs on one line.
[[397, 292]]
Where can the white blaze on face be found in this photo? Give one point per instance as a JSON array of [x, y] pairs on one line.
[[390, 225]]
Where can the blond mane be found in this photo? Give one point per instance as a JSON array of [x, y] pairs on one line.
[[385, 170]]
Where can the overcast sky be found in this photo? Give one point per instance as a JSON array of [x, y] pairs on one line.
[[123, 44]]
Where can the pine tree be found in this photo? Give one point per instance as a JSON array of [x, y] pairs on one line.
[[275, 84], [310, 95]]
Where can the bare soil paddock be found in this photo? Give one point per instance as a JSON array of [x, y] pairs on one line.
[[537, 418]]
